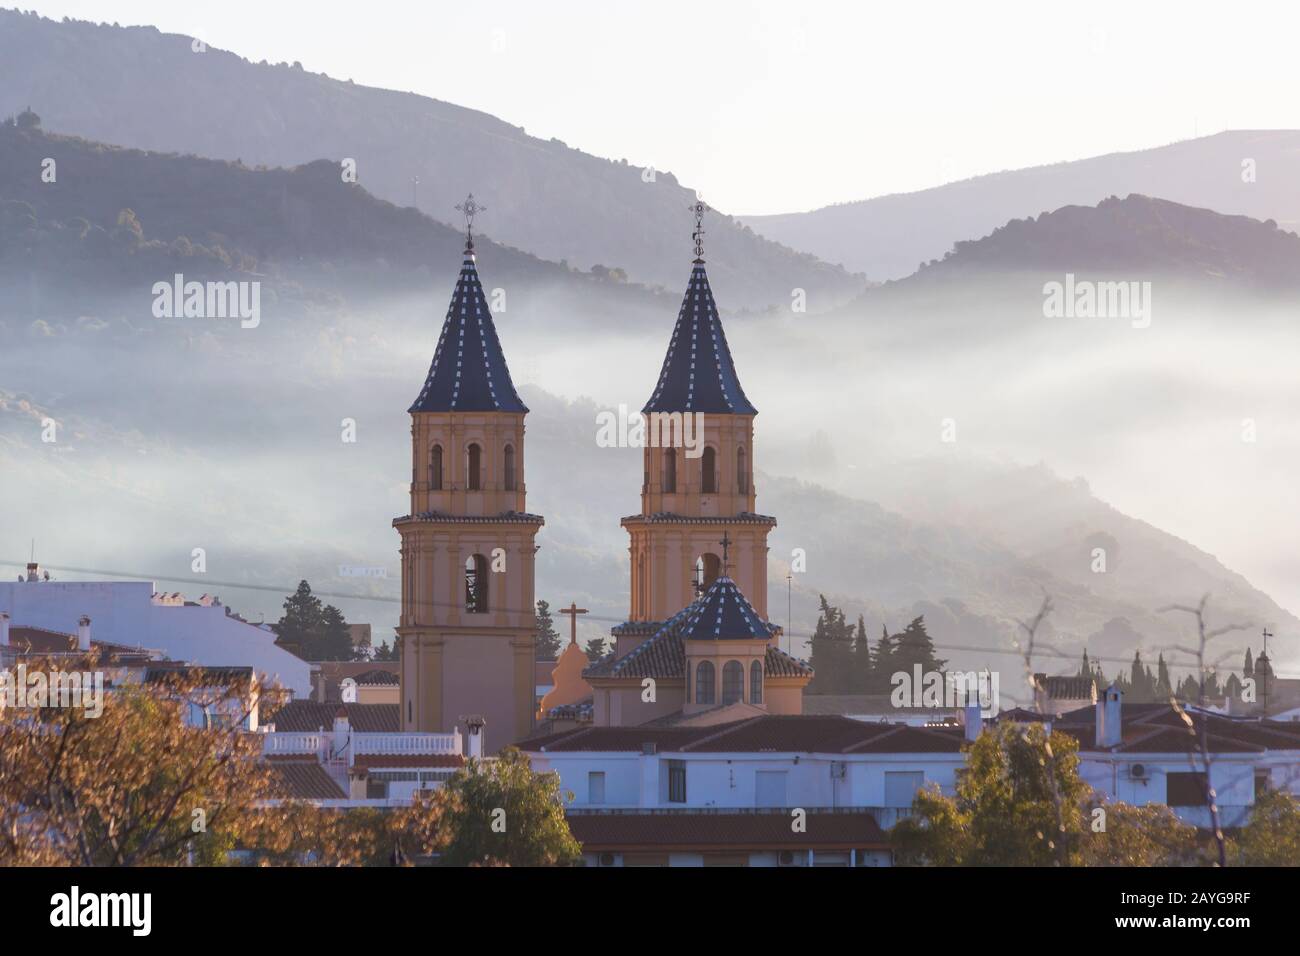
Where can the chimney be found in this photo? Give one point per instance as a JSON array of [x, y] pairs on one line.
[[973, 719], [83, 633], [4, 629], [1109, 730], [474, 724], [33, 571], [342, 733]]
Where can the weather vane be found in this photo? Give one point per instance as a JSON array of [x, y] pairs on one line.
[[699, 208], [470, 208]]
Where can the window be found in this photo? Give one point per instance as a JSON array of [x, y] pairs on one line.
[[900, 788], [710, 469], [510, 468], [475, 456], [1185, 789], [707, 569], [704, 683], [670, 471], [595, 787], [742, 473], [677, 781], [756, 682], [476, 584], [769, 788], [1263, 781], [376, 789], [733, 682], [435, 468]]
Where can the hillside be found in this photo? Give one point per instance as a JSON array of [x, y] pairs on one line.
[[889, 237], [116, 220], [542, 196], [1138, 236]]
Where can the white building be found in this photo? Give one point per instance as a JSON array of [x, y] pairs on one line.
[[133, 614]]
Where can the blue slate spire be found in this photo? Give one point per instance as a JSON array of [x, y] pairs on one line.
[[468, 372], [698, 374], [724, 613]]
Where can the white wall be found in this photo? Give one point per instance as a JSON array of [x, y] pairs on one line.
[[729, 779], [123, 612]]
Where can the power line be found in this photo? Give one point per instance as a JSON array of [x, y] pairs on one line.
[[386, 599]]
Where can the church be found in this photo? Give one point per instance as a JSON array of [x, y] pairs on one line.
[[697, 646]]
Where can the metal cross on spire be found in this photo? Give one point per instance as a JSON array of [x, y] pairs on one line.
[[1267, 635], [726, 546], [699, 207], [470, 208]]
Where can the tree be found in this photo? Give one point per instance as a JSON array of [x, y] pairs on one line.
[[831, 652], [882, 662], [1150, 835], [134, 786], [914, 647], [1272, 837], [548, 638], [596, 649], [1007, 806], [334, 642], [301, 618], [1164, 687], [312, 632], [387, 652], [861, 669], [498, 813]]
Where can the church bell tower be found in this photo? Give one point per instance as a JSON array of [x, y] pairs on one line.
[[467, 626], [696, 494]]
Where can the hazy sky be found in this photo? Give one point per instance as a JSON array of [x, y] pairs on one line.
[[777, 107]]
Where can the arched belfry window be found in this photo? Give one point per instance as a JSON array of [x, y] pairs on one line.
[[733, 682], [670, 470], [707, 569], [742, 472], [510, 468], [709, 467], [476, 584], [435, 468], [756, 682], [704, 683], [474, 461]]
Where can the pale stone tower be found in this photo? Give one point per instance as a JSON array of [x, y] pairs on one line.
[[467, 626], [688, 504]]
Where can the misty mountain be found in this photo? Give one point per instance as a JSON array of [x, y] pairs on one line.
[[135, 86], [109, 221], [1242, 172], [1139, 237]]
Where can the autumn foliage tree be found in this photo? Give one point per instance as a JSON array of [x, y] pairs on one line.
[[496, 813], [133, 786]]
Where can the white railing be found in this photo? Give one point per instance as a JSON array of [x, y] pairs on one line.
[[289, 742], [422, 744], [339, 745]]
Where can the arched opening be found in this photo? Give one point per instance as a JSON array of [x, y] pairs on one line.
[[476, 584], [510, 467], [742, 472], [733, 682], [708, 567], [704, 683], [709, 467], [474, 454], [670, 471], [756, 682], [435, 468]]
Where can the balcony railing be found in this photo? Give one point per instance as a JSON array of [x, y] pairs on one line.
[[326, 745]]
